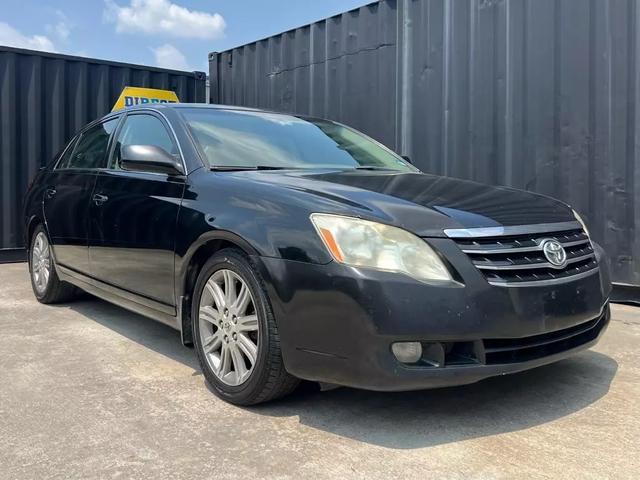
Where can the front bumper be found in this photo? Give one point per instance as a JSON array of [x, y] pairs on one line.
[[337, 323]]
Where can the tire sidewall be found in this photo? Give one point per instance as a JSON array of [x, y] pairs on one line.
[[236, 262]]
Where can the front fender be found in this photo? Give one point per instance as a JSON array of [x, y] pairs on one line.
[[261, 220]]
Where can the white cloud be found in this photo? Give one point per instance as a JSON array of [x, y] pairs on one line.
[[62, 28], [168, 56], [164, 17], [11, 37]]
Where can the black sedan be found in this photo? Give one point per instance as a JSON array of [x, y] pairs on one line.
[[285, 247]]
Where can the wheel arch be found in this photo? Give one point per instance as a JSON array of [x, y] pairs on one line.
[[32, 224], [197, 255]]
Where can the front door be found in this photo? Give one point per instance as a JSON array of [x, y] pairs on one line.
[[68, 193], [133, 218]]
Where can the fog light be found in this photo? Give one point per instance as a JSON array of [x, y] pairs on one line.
[[407, 352]]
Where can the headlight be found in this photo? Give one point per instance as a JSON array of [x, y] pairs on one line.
[[581, 221], [361, 243]]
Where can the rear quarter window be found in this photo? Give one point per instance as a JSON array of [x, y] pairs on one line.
[[63, 159]]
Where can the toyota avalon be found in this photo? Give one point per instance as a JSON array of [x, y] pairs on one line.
[[285, 247]]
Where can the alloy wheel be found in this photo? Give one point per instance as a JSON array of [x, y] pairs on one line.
[[41, 262], [228, 324]]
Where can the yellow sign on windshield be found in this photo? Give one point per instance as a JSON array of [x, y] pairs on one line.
[[132, 96]]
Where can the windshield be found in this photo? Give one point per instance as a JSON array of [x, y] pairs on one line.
[[236, 138]]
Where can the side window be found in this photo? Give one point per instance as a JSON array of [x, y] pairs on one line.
[[143, 130], [91, 149]]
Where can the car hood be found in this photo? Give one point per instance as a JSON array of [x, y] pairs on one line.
[[422, 203]]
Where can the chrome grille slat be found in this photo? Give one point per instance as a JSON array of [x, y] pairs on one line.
[[486, 266], [517, 259], [536, 248], [553, 281]]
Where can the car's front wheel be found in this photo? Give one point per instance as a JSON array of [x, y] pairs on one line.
[[235, 333]]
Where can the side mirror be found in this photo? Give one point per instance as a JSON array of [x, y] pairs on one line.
[[407, 159], [149, 158]]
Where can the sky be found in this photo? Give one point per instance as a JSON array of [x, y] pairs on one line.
[[175, 34]]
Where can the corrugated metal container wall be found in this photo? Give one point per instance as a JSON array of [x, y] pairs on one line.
[[45, 98], [534, 94]]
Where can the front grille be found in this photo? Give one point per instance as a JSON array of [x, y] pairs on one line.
[[514, 350], [518, 260]]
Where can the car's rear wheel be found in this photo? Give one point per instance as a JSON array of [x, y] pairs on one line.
[[235, 333], [47, 287]]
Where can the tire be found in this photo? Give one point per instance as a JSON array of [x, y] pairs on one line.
[[235, 378], [46, 285]]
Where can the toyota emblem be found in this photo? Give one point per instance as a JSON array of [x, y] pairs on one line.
[[554, 252]]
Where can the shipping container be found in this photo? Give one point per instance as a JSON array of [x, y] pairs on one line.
[[540, 95], [44, 99]]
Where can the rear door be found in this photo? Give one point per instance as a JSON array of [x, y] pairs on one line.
[[68, 193], [134, 215]]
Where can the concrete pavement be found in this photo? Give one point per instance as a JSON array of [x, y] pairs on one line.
[[89, 390]]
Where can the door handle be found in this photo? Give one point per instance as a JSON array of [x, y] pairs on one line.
[[50, 192], [99, 199]]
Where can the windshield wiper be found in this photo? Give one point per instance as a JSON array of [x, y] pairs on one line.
[[239, 168], [375, 168], [234, 168]]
